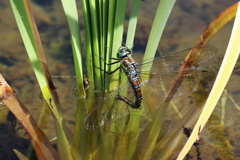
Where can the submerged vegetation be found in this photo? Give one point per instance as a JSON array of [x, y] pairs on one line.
[[175, 93]]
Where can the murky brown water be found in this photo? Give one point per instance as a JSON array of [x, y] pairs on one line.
[[187, 21]]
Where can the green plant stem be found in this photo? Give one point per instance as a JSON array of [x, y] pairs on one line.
[[133, 22], [160, 19]]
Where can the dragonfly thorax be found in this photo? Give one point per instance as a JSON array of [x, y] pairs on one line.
[[123, 51]]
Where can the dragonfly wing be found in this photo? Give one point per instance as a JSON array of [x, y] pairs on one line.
[[160, 84], [108, 108], [106, 112], [173, 62], [207, 52]]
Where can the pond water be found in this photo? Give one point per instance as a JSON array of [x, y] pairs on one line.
[[186, 23]]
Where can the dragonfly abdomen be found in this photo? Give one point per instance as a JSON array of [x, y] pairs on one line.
[[136, 85], [131, 71]]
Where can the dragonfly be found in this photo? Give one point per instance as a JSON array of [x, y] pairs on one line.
[[164, 70], [130, 68]]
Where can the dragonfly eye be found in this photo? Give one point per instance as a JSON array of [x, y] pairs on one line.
[[121, 54], [123, 51]]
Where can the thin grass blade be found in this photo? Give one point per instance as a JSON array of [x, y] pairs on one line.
[[70, 10], [160, 20], [133, 22]]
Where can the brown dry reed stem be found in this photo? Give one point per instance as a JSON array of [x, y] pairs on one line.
[[40, 142]]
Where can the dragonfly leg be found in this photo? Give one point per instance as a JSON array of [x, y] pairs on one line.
[[117, 60], [124, 99], [128, 102], [108, 72]]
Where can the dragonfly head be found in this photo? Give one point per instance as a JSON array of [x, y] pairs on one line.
[[123, 51]]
